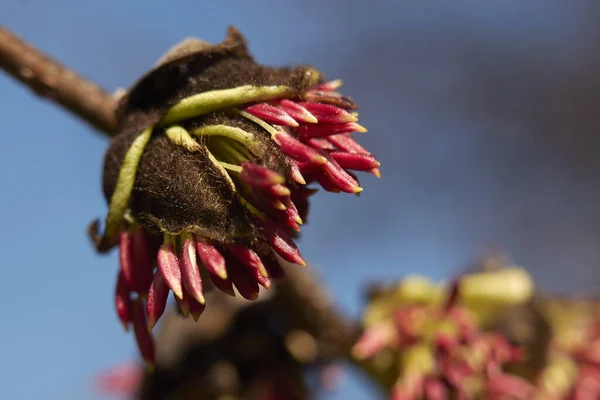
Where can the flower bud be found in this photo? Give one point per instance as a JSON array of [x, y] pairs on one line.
[[206, 162]]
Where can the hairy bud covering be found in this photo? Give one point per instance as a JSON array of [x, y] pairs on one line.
[[209, 170]]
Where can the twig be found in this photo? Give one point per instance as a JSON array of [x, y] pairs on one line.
[[303, 295], [52, 80]]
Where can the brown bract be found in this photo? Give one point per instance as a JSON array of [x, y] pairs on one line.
[[176, 189]]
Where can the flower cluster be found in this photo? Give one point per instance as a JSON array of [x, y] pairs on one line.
[[572, 366], [432, 344], [485, 337], [443, 352], [121, 380], [207, 176]]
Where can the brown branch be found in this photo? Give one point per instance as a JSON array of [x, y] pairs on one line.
[[310, 304], [52, 80], [191, 355]]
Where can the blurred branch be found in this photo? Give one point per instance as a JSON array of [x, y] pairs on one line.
[[52, 80], [311, 306], [246, 341]]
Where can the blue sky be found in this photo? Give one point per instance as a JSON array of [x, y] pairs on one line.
[[454, 182]]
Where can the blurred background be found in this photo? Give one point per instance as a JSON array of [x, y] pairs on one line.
[[484, 116]]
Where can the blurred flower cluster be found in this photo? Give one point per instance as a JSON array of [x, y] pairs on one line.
[[486, 335], [572, 359]]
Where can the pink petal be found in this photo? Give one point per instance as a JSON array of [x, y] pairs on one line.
[[345, 142], [157, 299], [409, 388], [356, 161], [591, 352], [329, 86], [126, 259], [282, 243], [307, 168], [291, 209], [277, 190], [324, 181], [511, 386], [243, 282], [300, 198], [211, 258], [265, 201], [283, 219], [325, 130], [296, 174], [587, 386], [168, 265], [249, 259], [190, 273], [184, 303], [271, 114], [339, 177], [123, 379], [255, 175], [435, 390], [123, 302], [456, 373], [296, 111], [142, 334], [321, 144], [224, 285], [196, 309], [297, 150], [445, 342], [328, 113], [373, 340], [142, 264], [275, 270]]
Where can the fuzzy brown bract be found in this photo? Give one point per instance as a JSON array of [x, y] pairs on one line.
[[176, 189], [195, 67]]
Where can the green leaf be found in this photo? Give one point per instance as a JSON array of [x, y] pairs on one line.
[[206, 102], [119, 201]]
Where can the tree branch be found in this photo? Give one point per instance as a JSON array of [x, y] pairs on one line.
[[310, 304], [52, 80]]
